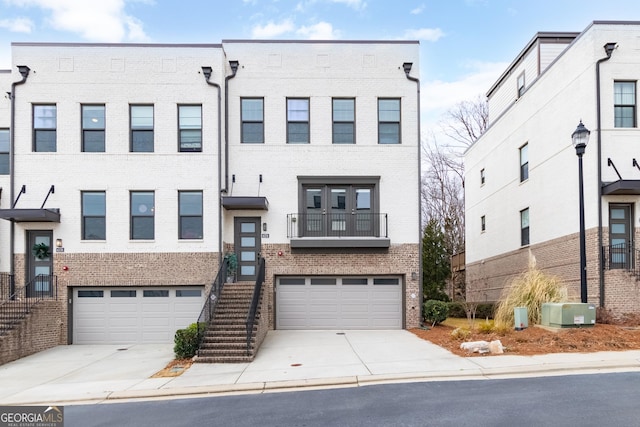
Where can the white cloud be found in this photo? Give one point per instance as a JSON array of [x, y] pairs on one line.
[[103, 21], [272, 29], [17, 25], [319, 31], [428, 34], [418, 10], [438, 96], [355, 4]]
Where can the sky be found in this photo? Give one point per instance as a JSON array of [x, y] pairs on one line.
[[464, 44]]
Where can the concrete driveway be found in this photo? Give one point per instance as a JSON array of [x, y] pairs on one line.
[[286, 359]]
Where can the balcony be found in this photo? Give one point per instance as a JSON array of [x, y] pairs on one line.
[[338, 230]]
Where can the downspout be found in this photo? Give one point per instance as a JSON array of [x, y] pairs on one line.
[[24, 72], [207, 71], [407, 69], [608, 48], [234, 69]]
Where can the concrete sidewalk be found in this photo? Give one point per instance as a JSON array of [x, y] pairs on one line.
[[286, 360]]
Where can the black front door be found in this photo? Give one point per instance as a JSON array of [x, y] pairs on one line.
[[247, 246], [39, 255], [620, 236]]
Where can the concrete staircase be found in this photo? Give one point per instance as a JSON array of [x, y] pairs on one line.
[[226, 338]]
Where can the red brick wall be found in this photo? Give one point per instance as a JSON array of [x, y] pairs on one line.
[[42, 329]]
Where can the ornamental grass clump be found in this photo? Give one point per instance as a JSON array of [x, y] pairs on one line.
[[531, 289]]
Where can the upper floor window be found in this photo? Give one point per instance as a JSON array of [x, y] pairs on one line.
[[344, 121], [142, 215], [483, 223], [94, 212], [4, 152], [524, 162], [44, 128], [389, 121], [252, 112], [482, 177], [524, 227], [141, 128], [93, 128], [190, 127], [298, 120], [190, 213], [520, 84], [624, 94]]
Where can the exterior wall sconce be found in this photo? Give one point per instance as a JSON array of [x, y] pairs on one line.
[[58, 243], [264, 226]]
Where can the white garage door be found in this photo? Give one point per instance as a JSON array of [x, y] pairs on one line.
[[339, 303], [133, 315]]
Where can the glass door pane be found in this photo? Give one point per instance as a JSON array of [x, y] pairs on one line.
[[338, 212], [314, 214]]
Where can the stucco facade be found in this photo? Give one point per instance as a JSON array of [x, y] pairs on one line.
[[530, 169]]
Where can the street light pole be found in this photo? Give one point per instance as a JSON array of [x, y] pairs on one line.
[[580, 138]]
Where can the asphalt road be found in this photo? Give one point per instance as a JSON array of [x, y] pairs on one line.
[[575, 400]]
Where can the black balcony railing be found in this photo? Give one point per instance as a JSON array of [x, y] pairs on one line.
[[621, 256], [353, 224]]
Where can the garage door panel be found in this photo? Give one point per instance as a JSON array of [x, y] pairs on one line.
[[131, 318], [328, 303]]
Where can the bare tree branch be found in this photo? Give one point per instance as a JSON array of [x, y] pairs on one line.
[[466, 121]]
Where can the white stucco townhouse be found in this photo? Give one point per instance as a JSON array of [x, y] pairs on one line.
[[136, 168], [522, 186]]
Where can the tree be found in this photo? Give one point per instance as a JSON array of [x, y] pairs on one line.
[[443, 179], [435, 262], [466, 121]]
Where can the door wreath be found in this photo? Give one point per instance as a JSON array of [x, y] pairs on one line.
[[40, 250]]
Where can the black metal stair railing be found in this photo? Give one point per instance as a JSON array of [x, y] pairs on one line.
[[17, 305], [251, 316], [210, 304]]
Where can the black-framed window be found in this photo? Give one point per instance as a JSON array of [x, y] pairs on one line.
[[298, 121], [94, 215], [190, 214], [44, 128], [4, 152], [141, 128], [483, 223], [344, 116], [340, 206], [524, 162], [521, 84], [389, 121], [93, 128], [482, 177], [142, 215], [624, 100], [252, 116], [190, 127], [524, 227]]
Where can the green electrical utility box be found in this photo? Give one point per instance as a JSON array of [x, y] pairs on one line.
[[568, 315]]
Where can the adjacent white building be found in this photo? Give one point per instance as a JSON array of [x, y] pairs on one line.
[[521, 187], [137, 167]]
